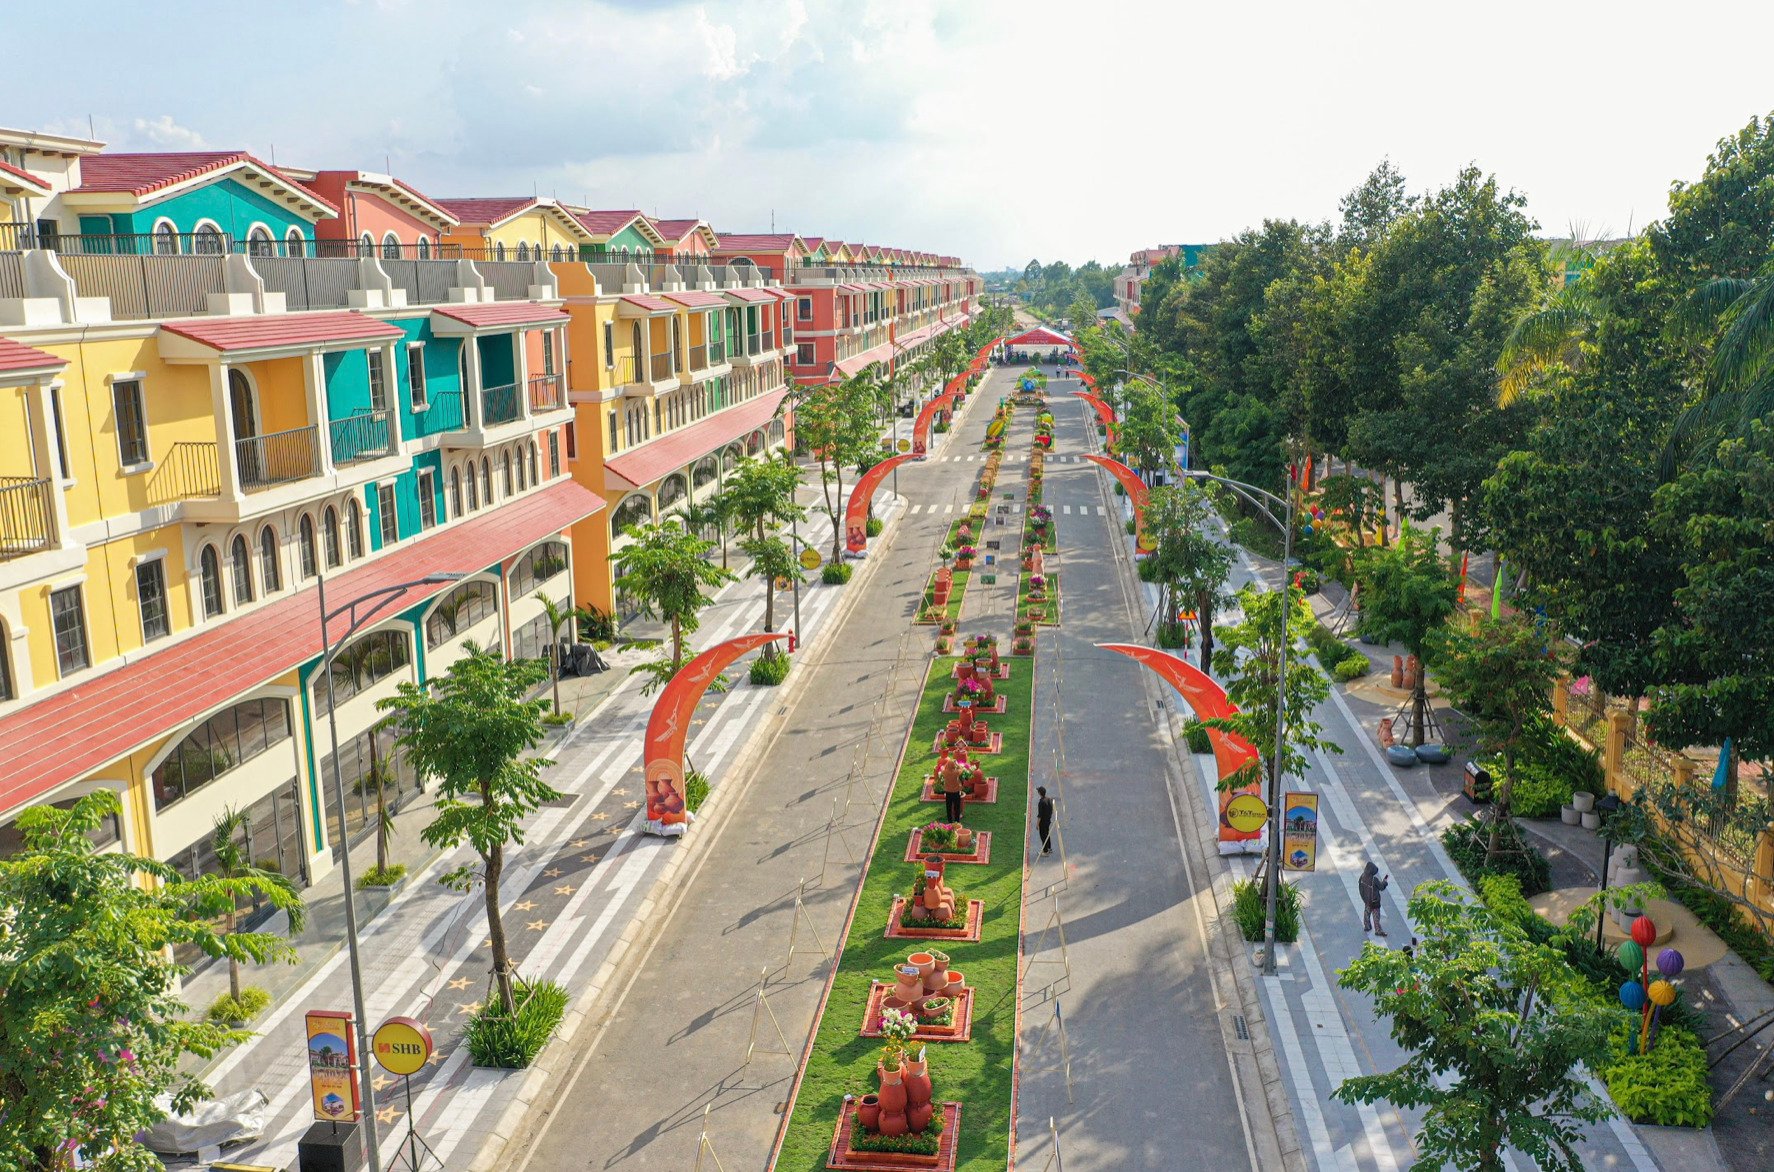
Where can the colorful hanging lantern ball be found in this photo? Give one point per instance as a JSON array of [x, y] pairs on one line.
[[1631, 955], [1662, 994], [1308, 529], [1317, 512], [1670, 962], [1644, 932], [1632, 995]]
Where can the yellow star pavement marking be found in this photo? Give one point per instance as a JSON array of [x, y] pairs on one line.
[[621, 792], [631, 805], [382, 1083], [528, 905], [536, 925], [467, 1007], [437, 1058], [388, 1114], [600, 816], [461, 983], [552, 873], [579, 844], [589, 858], [564, 889]]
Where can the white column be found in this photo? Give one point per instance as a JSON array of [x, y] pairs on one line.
[[391, 354], [520, 363], [472, 414], [41, 420], [314, 383], [227, 472]]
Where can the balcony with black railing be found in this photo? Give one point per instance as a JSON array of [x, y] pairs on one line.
[[359, 437], [548, 392], [499, 405], [443, 412], [27, 516], [699, 357], [282, 457], [717, 352], [661, 367]]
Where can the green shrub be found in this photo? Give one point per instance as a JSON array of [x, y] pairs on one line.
[[1196, 734], [1172, 635], [1309, 581], [927, 1144], [1548, 746], [1466, 843], [874, 526], [1538, 792], [225, 1010], [557, 719], [769, 670], [382, 876], [1121, 490], [1249, 906], [512, 1043], [695, 790], [1351, 668], [835, 573], [1130, 529], [1666, 1087]]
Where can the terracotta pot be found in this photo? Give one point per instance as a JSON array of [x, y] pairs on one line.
[[923, 962], [911, 983], [964, 841], [893, 1123], [893, 1092], [868, 1113], [934, 983], [957, 982], [918, 1118]]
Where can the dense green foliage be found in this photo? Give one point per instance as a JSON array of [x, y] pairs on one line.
[[1468, 844], [1250, 907], [510, 1039]]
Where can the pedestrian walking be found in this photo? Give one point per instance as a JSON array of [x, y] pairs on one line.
[[951, 788], [1044, 819], [1371, 887]]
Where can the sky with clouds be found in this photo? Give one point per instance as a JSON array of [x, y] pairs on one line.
[[997, 130]]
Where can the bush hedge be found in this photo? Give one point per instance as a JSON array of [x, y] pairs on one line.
[[874, 526], [225, 1010], [1466, 844], [1667, 1086], [769, 670], [1248, 904], [835, 573], [695, 790], [512, 1043], [1351, 668], [1196, 734]]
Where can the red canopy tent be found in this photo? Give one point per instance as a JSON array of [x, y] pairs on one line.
[[1042, 336]]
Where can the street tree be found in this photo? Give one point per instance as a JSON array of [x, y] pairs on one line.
[[230, 845], [1249, 659], [557, 615], [92, 1032], [1501, 676], [709, 513], [1148, 434], [1496, 1057], [1407, 591], [837, 424], [665, 570], [1081, 313], [1188, 562], [760, 497], [469, 731]]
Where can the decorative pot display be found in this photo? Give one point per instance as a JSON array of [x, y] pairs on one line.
[[868, 1112], [911, 983], [893, 1092], [964, 841], [1582, 801], [924, 963], [957, 982]]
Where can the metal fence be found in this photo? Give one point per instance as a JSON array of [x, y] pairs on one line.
[[546, 393], [443, 413], [498, 404], [27, 516], [12, 274], [427, 282], [510, 280], [360, 436], [141, 286], [309, 282], [265, 461]]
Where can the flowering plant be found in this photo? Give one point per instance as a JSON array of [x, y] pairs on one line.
[[1038, 581], [1041, 513], [971, 687], [966, 551], [897, 1028]]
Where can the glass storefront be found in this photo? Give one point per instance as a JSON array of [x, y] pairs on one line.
[[363, 760], [273, 840]]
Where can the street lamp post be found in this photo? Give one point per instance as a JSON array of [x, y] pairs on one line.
[[382, 597], [1606, 805], [1272, 856]]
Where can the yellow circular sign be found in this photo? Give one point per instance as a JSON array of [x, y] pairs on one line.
[[402, 1045], [810, 559], [1146, 544], [1246, 813], [905, 445]]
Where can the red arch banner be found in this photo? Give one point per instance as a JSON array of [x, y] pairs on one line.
[[669, 727], [1231, 752], [1137, 491], [1104, 412], [921, 429], [856, 533]]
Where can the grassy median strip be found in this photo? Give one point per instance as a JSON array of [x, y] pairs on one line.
[[976, 1073]]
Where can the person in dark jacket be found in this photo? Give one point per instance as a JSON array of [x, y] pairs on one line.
[[1371, 888], [1044, 819]]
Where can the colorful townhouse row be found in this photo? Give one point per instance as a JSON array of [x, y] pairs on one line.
[[1131, 280], [226, 386]]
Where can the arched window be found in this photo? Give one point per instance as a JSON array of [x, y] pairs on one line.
[[329, 532], [372, 658], [209, 569], [537, 566], [455, 493], [390, 246], [499, 252], [460, 610], [520, 469], [535, 465], [505, 464], [424, 248], [638, 342], [557, 253], [671, 492], [523, 251], [207, 240], [269, 571], [473, 489], [240, 564], [225, 741], [305, 555], [707, 472], [294, 243], [486, 480], [354, 529], [259, 241], [636, 509], [166, 238], [366, 245]]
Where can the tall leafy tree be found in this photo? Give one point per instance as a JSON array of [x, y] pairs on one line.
[[557, 615], [837, 423], [92, 1032], [1373, 206], [470, 731], [1249, 659], [760, 497], [665, 571], [1407, 592], [1187, 561], [1495, 1052]]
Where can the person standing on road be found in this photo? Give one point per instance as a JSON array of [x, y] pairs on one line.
[[1371, 887], [1044, 819], [951, 788]]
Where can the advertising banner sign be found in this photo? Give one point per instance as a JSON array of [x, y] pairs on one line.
[[332, 1065], [1299, 832]]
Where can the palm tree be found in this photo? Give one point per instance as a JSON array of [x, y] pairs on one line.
[[1739, 383], [558, 616], [664, 571], [228, 843], [710, 513], [1554, 334]]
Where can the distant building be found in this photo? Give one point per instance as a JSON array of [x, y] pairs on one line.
[[1130, 280]]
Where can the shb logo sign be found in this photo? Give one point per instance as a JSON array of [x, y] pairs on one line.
[[402, 1045]]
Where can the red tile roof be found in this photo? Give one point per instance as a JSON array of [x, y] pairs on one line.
[[503, 313], [695, 299], [670, 452], [608, 223], [274, 330], [675, 230], [25, 178], [326, 181], [16, 356], [856, 362], [779, 293], [750, 242], [748, 295], [144, 174], [651, 304], [488, 210], [62, 737]]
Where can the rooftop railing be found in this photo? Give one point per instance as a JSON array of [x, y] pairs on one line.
[[510, 279], [27, 516], [148, 285]]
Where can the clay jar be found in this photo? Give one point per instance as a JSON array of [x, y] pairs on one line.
[[924, 963], [916, 1081], [911, 984], [892, 1097], [868, 1113], [952, 990], [937, 979]]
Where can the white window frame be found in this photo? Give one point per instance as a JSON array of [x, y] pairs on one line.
[[378, 378], [419, 395], [388, 514], [426, 485], [387, 239], [156, 558], [295, 243], [221, 237], [134, 379], [154, 235]]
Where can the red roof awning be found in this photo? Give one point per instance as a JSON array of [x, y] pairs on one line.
[[648, 304], [65, 736], [849, 366], [778, 293], [669, 453], [694, 299], [273, 331], [19, 360], [496, 314], [748, 296]]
